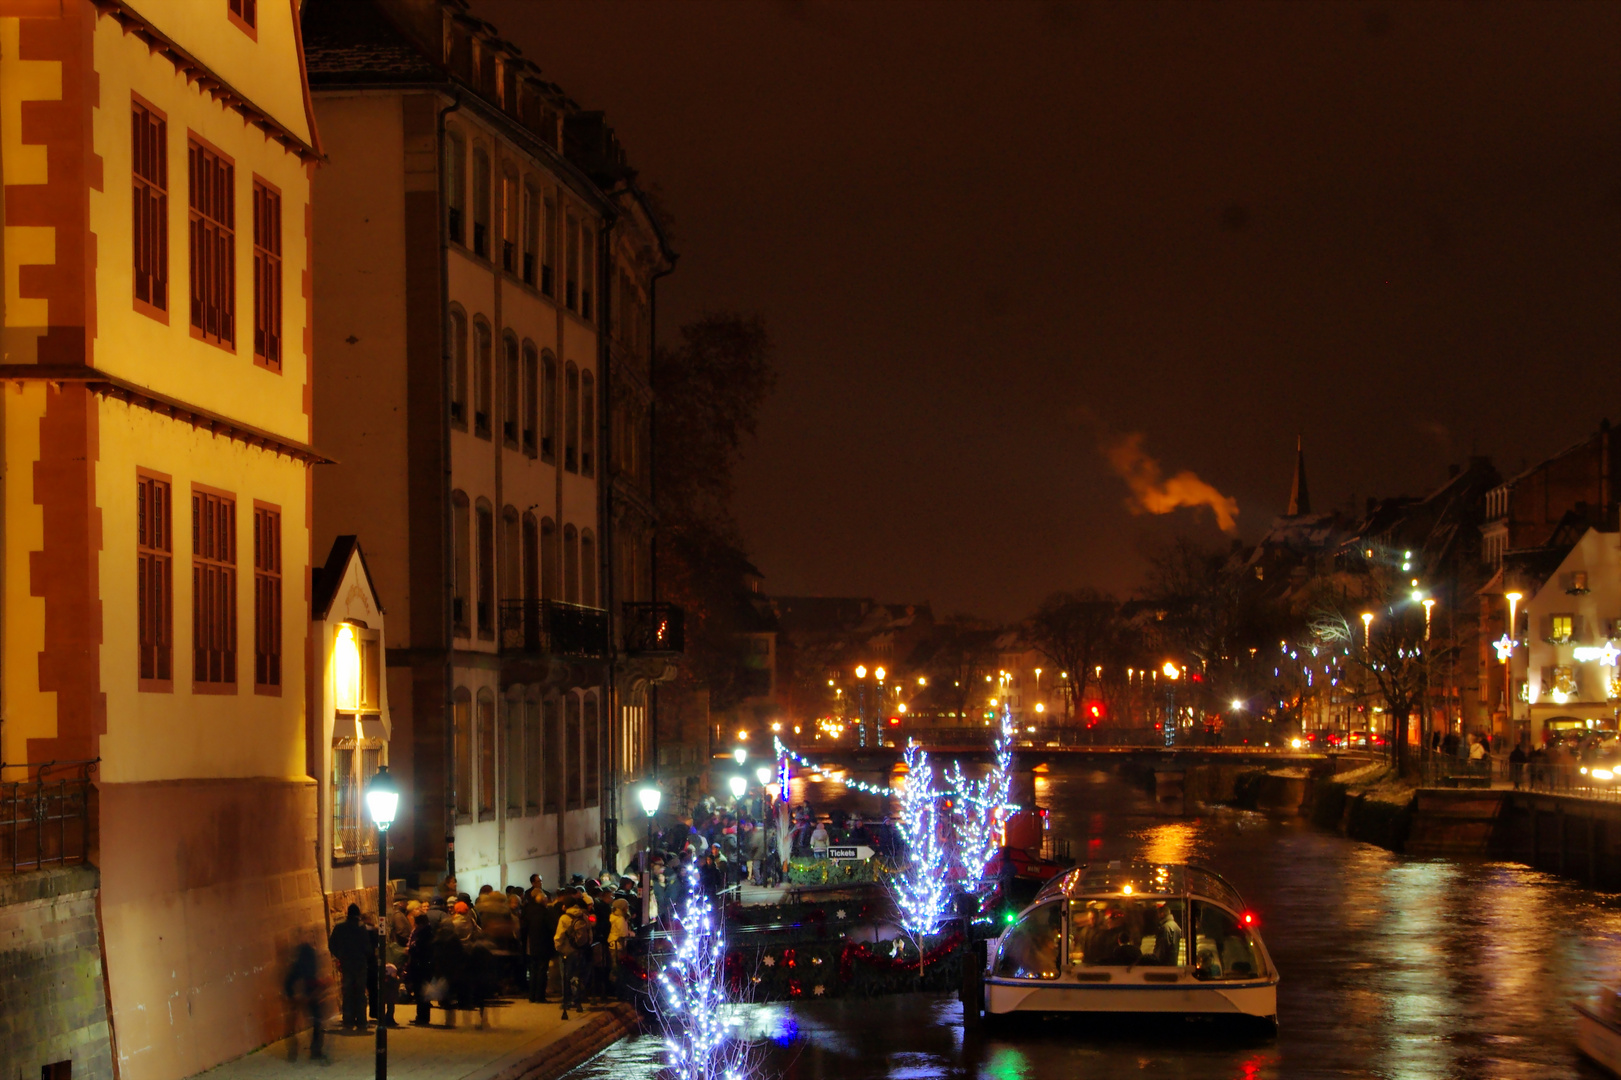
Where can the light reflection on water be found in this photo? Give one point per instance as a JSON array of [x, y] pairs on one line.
[[1402, 968]]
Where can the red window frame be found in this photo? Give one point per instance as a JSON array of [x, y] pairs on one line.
[[149, 212], [267, 305], [211, 198], [213, 590], [244, 15], [154, 578], [266, 598]]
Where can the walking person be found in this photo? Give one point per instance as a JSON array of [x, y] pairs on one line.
[[303, 989], [1516, 763], [352, 948]]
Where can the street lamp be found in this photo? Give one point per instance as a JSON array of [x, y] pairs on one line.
[[1511, 635], [649, 798], [382, 801], [1367, 628], [740, 755], [763, 774]]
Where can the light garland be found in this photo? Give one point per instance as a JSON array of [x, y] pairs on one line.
[[785, 754], [694, 1015], [919, 887], [980, 808]]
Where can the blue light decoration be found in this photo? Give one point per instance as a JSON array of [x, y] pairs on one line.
[[919, 885], [786, 755], [693, 1012], [979, 807]]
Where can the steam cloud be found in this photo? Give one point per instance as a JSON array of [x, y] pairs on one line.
[[1151, 493]]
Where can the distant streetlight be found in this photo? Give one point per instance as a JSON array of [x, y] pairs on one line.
[[1510, 636], [1367, 628], [879, 674], [861, 671], [649, 797], [740, 755], [1171, 670], [1238, 706], [382, 800]]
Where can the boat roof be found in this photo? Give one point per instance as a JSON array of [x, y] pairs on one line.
[[1142, 879]]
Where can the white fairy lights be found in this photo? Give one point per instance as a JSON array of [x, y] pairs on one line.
[[694, 1013]]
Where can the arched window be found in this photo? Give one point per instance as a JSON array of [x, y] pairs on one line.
[[531, 232], [509, 221], [512, 758], [571, 565], [461, 719], [588, 272], [571, 748], [511, 389], [588, 568], [588, 424], [548, 408], [593, 752], [483, 390], [552, 754], [458, 367], [548, 559], [531, 754], [511, 554], [571, 419], [531, 557], [486, 754], [461, 615], [485, 518], [456, 184], [481, 202], [530, 392]]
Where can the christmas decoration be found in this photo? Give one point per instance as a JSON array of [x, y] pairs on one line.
[[694, 1012], [979, 807], [919, 884]]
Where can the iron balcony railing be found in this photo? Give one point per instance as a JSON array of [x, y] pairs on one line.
[[45, 817], [654, 629], [553, 627]]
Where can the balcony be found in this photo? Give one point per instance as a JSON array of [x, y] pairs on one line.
[[45, 818], [654, 629], [553, 627]]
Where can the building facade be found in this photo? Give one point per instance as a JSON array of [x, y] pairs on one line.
[[486, 267], [1572, 642], [157, 429]]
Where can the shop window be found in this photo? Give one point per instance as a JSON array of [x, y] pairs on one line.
[[1030, 949]]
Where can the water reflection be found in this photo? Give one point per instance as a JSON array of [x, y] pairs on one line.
[[1392, 967]]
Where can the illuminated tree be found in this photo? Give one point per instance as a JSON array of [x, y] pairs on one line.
[[919, 883], [693, 1011], [979, 807]]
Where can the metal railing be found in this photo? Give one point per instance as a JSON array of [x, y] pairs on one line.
[[551, 626], [654, 628], [45, 818], [1585, 781]]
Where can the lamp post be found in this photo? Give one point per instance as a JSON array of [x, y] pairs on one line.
[[649, 798], [382, 800], [861, 706], [1511, 636], [1429, 709]]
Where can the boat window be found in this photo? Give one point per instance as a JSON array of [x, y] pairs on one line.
[[1030, 949], [1223, 948], [1126, 932]]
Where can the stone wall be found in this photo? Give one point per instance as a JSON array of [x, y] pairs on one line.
[[53, 1003]]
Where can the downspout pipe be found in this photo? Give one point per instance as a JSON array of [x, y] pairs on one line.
[[653, 485], [447, 555], [608, 723]]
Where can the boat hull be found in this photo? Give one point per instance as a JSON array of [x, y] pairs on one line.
[[1598, 1039], [1257, 999]]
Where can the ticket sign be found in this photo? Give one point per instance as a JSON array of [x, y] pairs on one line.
[[862, 852]]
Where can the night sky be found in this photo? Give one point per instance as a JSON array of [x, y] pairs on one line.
[[1015, 256]]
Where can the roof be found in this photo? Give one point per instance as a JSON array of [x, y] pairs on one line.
[[352, 41], [326, 579], [1142, 879]]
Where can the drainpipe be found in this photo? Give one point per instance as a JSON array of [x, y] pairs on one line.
[[608, 722], [653, 488], [448, 556]]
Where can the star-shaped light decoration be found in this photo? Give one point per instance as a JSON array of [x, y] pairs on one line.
[[839, 913], [1505, 648], [1608, 655], [769, 961], [819, 990]]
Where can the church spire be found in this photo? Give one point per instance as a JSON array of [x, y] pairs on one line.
[[1299, 497]]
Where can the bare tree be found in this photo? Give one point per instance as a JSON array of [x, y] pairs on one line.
[[1073, 630]]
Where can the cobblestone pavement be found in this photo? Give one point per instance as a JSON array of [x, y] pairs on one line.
[[516, 1032]]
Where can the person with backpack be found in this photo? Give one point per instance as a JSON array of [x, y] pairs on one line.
[[574, 940]]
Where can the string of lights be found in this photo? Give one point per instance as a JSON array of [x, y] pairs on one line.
[[696, 1020], [979, 812], [919, 888], [784, 753]]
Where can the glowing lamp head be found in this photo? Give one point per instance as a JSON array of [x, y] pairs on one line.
[[922, 681], [742, 735], [1040, 708], [1237, 705], [1170, 670], [649, 798], [861, 671], [738, 785], [382, 798], [740, 755], [878, 673], [763, 774], [1513, 597]]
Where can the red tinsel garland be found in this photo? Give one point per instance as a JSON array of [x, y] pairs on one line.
[[860, 950]]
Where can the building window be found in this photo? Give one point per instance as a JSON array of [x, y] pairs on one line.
[[154, 582], [267, 275], [212, 192], [531, 756], [266, 599], [531, 557], [588, 269], [571, 748], [461, 600], [512, 759], [548, 242], [571, 264], [486, 570], [509, 222], [213, 589], [149, 153], [481, 202], [1561, 628], [552, 756], [245, 15], [593, 753], [461, 719], [456, 186], [486, 755], [588, 424], [458, 364], [548, 409], [588, 568], [531, 233], [483, 391], [531, 396], [571, 565], [511, 549], [511, 390], [548, 559], [571, 419], [354, 763]]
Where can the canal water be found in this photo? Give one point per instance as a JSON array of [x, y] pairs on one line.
[[1394, 967]]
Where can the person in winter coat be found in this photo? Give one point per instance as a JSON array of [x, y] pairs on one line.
[[419, 968], [539, 921], [573, 940], [352, 948], [753, 852]]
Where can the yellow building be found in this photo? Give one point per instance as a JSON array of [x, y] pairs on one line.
[[485, 268], [157, 157]]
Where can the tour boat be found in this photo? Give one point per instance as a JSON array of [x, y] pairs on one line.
[[1598, 1029], [1133, 938]]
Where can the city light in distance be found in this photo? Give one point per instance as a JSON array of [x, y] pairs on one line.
[[861, 671]]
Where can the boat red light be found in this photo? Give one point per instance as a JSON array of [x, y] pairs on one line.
[[1249, 918]]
